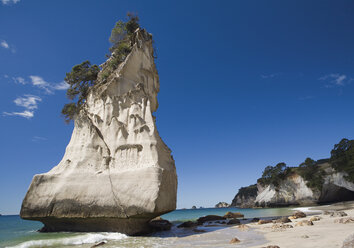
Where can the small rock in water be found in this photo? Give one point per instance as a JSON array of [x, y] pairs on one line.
[[188, 224], [99, 244], [234, 241], [233, 222], [160, 225], [198, 230], [201, 220], [255, 220], [231, 215], [271, 246]]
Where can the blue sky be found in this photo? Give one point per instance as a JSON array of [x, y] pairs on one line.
[[244, 84]]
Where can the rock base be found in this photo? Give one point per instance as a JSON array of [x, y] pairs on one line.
[[127, 226]]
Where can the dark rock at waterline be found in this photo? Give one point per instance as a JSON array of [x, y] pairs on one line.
[[255, 220], [160, 225], [187, 224], [234, 222], [201, 220]]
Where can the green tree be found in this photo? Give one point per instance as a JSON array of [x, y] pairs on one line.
[[274, 174], [80, 79], [122, 31], [342, 158], [312, 173]]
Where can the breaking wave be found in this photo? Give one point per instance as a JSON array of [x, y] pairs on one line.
[[88, 238]]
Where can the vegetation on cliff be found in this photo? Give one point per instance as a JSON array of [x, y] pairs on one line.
[[83, 76], [249, 191], [342, 158]]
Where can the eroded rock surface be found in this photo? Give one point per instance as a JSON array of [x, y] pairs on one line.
[[117, 173]]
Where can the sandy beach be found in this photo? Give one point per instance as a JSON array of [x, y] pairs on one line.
[[326, 232]]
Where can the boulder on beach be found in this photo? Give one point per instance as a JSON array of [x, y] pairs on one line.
[[345, 220], [299, 214], [261, 222], [234, 241], [304, 223], [315, 218], [283, 220], [116, 174]]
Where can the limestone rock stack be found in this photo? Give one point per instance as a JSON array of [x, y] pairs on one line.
[[117, 173]]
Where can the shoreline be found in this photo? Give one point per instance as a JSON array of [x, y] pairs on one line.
[[326, 232]]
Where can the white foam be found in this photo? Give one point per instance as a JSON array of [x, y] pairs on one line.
[[87, 238], [306, 210]]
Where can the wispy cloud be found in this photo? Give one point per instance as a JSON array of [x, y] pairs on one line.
[[4, 44], [38, 139], [335, 79], [19, 80], [8, 2], [48, 88], [25, 114], [29, 102], [273, 75]]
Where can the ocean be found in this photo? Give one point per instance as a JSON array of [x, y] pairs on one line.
[[15, 232]]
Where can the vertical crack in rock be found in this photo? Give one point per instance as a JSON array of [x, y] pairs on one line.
[[107, 162]]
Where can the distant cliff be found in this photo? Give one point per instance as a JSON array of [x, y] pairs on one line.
[[312, 182]]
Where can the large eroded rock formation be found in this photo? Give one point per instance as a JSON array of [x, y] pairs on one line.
[[117, 173]]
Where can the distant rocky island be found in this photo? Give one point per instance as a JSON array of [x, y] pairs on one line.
[[117, 174], [222, 205], [312, 182]]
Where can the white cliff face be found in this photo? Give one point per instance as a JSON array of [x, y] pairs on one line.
[[116, 173], [291, 191], [339, 180]]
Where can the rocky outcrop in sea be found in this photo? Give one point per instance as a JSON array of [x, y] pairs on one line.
[[222, 205], [116, 174]]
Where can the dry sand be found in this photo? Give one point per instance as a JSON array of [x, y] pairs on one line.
[[325, 233]]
